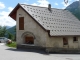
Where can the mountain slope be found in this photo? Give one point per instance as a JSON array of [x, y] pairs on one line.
[[74, 8], [12, 30], [7, 27]]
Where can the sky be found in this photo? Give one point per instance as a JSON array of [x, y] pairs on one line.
[[6, 6]]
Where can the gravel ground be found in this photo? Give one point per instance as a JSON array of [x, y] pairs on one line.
[[7, 53]]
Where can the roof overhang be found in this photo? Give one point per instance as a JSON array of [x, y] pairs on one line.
[[14, 11]]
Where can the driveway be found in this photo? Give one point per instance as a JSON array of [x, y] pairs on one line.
[[7, 53]]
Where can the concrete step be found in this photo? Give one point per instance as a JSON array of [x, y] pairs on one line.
[[29, 46]]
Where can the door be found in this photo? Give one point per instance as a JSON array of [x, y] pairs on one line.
[[29, 40], [65, 41]]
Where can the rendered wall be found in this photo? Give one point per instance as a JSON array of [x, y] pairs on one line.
[[57, 42]]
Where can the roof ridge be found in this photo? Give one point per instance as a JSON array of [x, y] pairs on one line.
[[41, 6]]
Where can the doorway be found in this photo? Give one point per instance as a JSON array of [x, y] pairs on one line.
[[29, 40], [65, 41]]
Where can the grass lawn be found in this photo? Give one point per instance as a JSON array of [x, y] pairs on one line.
[[13, 44]]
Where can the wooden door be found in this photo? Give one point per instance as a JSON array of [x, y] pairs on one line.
[[65, 41], [29, 40]]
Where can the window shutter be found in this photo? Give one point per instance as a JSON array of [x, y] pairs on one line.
[[21, 23]]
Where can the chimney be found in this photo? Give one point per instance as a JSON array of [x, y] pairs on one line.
[[49, 7]]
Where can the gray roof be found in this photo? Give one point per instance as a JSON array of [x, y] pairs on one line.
[[60, 22]]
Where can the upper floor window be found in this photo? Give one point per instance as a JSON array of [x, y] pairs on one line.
[[21, 23]]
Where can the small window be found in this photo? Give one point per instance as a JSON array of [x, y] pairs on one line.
[[21, 23], [65, 41], [75, 39]]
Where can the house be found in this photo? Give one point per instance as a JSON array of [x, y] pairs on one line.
[[51, 28]]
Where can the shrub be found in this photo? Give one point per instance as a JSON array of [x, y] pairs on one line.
[[13, 44]]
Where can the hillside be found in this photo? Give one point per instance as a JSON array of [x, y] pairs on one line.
[[74, 8], [12, 30], [7, 27]]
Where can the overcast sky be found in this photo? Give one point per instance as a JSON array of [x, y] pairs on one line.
[[6, 6]]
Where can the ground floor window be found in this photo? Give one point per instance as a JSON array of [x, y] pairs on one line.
[[65, 41], [75, 39]]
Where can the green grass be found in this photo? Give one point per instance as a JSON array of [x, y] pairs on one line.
[[13, 44]]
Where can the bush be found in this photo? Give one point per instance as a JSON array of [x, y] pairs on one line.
[[13, 44]]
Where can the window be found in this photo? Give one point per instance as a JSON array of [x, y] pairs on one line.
[[65, 41], [21, 23], [75, 39]]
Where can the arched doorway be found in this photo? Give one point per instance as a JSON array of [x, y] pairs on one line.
[[28, 37], [29, 40]]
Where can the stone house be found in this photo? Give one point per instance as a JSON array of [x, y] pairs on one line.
[[46, 27]]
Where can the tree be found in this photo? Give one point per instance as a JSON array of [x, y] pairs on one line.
[[2, 31], [15, 34], [10, 36]]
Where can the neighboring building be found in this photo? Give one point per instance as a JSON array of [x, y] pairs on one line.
[[46, 27]]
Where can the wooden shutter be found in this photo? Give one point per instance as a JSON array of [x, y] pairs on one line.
[[21, 23]]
